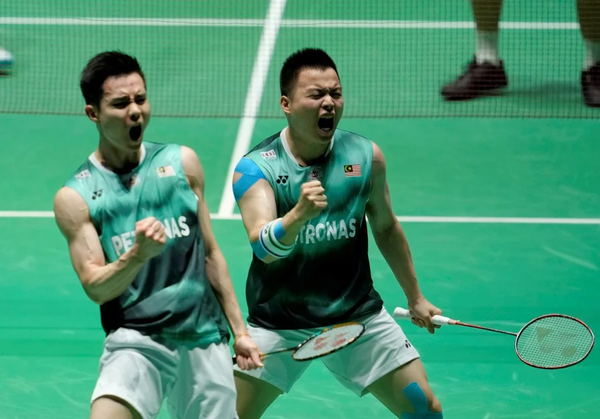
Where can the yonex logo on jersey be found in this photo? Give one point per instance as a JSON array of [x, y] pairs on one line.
[[282, 179], [268, 155], [407, 344], [352, 170], [83, 174], [97, 194]]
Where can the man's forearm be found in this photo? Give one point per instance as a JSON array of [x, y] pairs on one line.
[[393, 245], [105, 283], [218, 276], [292, 224]]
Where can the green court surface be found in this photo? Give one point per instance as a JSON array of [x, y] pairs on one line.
[[496, 272], [500, 275]]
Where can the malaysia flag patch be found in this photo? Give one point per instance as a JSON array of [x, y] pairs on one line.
[[352, 170]]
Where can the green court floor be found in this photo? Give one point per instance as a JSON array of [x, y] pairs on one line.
[[500, 275]]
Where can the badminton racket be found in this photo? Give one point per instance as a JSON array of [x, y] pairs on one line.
[[324, 342], [551, 341]]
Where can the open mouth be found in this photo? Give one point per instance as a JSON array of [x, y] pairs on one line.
[[135, 132], [326, 124]]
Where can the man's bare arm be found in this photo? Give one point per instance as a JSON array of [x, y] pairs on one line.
[[102, 282]]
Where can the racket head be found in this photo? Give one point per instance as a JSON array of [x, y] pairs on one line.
[[554, 341], [328, 341]]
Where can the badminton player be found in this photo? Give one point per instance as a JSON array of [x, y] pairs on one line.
[[140, 240], [303, 194]]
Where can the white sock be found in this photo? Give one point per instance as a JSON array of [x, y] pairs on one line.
[[5, 57], [592, 53], [487, 48]]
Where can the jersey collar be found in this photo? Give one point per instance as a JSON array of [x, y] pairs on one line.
[[286, 146], [94, 160]]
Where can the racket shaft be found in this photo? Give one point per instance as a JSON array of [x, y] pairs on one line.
[[277, 352], [263, 356], [489, 329]]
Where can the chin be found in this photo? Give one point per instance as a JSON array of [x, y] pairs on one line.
[[134, 145], [325, 137]]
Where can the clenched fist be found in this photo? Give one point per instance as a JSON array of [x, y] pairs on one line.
[[150, 238], [312, 200]]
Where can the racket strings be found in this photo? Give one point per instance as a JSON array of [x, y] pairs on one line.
[[554, 341]]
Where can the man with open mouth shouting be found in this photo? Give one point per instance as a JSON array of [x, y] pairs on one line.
[[304, 194], [141, 243]]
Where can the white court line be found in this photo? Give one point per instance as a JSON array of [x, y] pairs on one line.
[[288, 23], [570, 258], [253, 99], [419, 24], [406, 219]]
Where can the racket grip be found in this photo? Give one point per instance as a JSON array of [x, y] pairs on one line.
[[402, 313], [234, 359]]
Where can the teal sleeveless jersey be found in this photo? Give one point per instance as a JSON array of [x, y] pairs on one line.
[[327, 278], [171, 296]]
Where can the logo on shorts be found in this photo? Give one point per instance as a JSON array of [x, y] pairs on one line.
[[282, 179], [97, 194]]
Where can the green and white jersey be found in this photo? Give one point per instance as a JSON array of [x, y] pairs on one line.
[[171, 296], [327, 277]]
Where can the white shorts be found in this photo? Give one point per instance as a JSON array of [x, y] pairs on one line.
[[197, 383], [382, 348]]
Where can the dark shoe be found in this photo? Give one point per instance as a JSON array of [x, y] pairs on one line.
[[590, 86], [476, 80]]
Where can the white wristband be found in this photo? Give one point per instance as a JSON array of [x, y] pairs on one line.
[[270, 235]]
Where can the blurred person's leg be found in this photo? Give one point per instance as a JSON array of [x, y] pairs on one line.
[[487, 18], [589, 20], [486, 71]]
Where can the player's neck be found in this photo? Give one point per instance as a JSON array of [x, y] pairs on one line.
[[115, 160], [307, 151]]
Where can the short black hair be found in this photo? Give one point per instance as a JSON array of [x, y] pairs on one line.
[[300, 60], [102, 66]]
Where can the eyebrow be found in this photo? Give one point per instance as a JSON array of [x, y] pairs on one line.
[[324, 89], [125, 98]]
